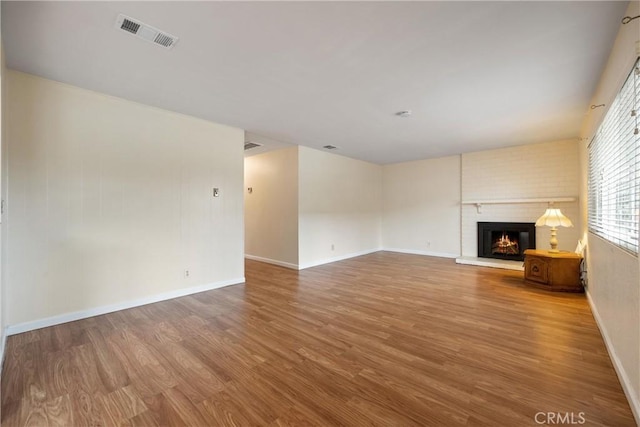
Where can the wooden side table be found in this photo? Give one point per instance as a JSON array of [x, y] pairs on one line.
[[554, 271]]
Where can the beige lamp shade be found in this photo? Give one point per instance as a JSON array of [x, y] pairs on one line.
[[553, 218]]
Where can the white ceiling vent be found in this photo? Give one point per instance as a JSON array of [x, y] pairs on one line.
[[145, 32], [250, 144]]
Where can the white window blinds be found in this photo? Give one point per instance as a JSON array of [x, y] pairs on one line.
[[614, 169]]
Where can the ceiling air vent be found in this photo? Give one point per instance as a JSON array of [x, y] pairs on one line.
[[164, 40], [130, 26], [249, 145], [145, 32], [330, 147]]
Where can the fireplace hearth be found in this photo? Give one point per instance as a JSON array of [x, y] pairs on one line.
[[505, 240]]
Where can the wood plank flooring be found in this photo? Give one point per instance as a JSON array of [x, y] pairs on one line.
[[384, 339]]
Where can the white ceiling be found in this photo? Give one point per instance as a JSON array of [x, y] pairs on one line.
[[477, 75]]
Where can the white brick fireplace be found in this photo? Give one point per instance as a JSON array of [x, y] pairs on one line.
[[515, 184]]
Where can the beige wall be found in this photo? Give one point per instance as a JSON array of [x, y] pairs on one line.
[[271, 209], [613, 274], [533, 171], [421, 207], [111, 201], [339, 207]]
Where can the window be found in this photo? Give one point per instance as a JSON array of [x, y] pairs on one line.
[[614, 169]]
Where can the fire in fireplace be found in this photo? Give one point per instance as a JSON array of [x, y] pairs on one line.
[[505, 240], [506, 244]]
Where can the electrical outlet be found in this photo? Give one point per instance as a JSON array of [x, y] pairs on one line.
[[186, 273], [216, 192], [333, 247], [428, 244]]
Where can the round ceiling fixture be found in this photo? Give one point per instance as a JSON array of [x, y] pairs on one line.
[[404, 113]]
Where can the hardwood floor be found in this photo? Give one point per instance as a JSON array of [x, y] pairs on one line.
[[384, 339]]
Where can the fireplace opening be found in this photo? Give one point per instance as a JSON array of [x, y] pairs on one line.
[[505, 240]]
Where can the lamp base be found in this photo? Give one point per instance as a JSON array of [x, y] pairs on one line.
[[554, 240]]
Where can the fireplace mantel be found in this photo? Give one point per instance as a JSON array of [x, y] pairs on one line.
[[478, 203]]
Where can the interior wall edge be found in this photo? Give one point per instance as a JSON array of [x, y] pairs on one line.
[[625, 381], [97, 311]]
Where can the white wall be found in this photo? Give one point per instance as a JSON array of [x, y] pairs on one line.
[[111, 201], [3, 192], [613, 274], [339, 205], [271, 209], [421, 207], [532, 171]]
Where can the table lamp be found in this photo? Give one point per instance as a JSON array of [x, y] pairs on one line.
[[553, 218]]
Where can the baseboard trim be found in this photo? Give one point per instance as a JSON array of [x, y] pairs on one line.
[[3, 345], [338, 258], [97, 311], [272, 261], [627, 387], [426, 253]]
